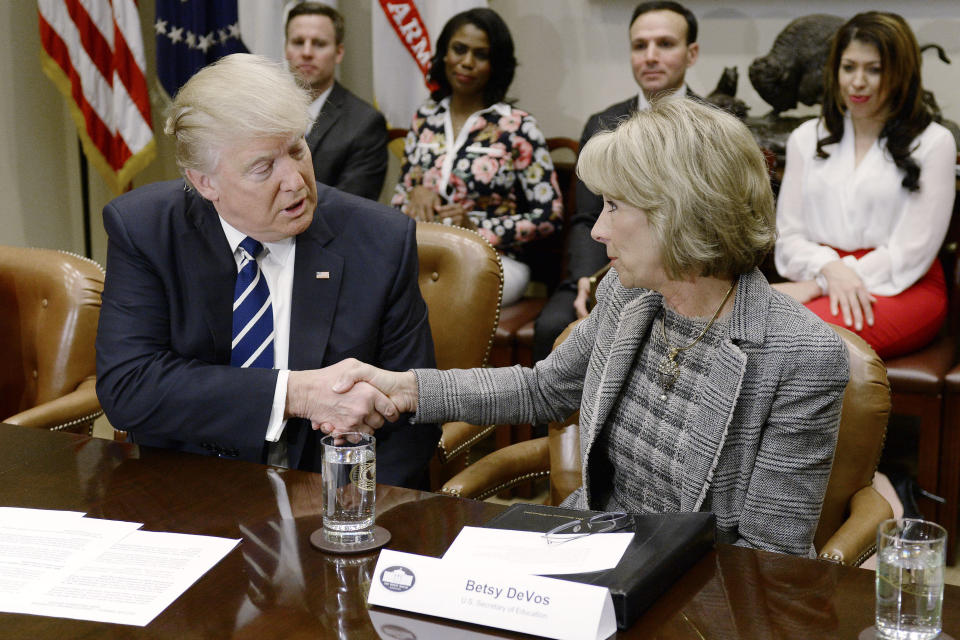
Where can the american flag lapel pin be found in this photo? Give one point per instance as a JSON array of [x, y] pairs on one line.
[[323, 275]]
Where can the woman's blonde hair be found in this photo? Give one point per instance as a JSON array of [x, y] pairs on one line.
[[239, 97], [701, 179]]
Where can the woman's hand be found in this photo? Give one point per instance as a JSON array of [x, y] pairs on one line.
[[457, 214], [399, 387], [310, 395], [583, 294], [422, 204], [848, 295], [802, 292]]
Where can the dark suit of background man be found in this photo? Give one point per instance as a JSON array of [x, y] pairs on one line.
[[348, 139], [341, 272], [663, 45]]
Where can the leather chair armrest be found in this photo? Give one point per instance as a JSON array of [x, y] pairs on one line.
[[856, 539], [501, 469], [74, 412], [458, 437]]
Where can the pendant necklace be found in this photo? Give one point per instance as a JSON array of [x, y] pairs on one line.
[[669, 368]]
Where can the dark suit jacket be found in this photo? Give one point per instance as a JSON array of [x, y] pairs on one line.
[[349, 144], [586, 255], [163, 344]]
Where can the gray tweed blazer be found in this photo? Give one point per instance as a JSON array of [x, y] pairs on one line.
[[763, 436]]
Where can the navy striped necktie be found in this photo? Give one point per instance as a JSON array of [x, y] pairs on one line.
[[252, 312]]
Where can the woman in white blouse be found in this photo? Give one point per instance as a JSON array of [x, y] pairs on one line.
[[867, 193]]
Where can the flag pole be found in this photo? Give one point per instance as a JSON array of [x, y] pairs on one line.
[[85, 199]]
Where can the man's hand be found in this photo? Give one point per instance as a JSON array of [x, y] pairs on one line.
[[310, 395], [583, 294], [848, 295], [401, 387], [803, 291], [422, 204]]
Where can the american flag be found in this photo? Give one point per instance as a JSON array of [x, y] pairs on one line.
[[191, 34], [92, 50]]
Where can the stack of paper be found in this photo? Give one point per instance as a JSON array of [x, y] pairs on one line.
[[59, 563], [528, 552]]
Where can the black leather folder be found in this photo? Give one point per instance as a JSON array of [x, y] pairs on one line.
[[663, 548]]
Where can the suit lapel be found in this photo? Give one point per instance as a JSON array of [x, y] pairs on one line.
[[207, 261], [317, 275], [329, 114], [721, 391], [711, 423], [632, 326]]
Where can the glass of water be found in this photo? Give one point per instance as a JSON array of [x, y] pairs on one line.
[[910, 561], [349, 485]]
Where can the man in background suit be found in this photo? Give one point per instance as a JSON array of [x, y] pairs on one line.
[[348, 138], [663, 45], [194, 351]]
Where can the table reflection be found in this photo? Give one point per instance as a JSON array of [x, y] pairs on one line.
[[276, 585], [759, 595]]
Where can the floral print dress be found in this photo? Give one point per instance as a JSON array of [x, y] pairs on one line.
[[498, 167]]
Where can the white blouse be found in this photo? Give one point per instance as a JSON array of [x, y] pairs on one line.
[[831, 202]]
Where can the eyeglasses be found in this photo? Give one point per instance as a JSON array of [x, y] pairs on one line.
[[578, 528]]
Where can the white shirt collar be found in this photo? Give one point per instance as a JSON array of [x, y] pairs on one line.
[[643, 104], [279, 250]]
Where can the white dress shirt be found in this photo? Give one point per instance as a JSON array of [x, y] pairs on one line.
[[276, 263], [832, 202]]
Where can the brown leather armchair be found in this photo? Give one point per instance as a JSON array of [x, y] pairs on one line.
[[461, 281], [513, 341], [949, 466], [49, 308], [852, 508]]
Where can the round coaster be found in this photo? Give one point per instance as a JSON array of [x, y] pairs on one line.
[[870, 633], [380, 537]]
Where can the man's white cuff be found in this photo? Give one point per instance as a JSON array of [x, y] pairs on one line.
[[277, 423]]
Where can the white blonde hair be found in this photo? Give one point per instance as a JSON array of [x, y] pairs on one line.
[[698, 174], [239, 97]]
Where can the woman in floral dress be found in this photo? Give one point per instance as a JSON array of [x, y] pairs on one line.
[[473, 160]]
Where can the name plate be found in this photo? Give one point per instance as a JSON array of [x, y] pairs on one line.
[[529, 604]]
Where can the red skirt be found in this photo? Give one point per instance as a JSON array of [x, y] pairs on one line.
[[902, 323]]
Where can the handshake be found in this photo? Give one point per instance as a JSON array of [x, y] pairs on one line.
[[350, 396]]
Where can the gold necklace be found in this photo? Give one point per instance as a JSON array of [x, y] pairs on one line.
[[669, 368]]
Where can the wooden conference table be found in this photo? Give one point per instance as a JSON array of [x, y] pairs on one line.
[[730, 593]]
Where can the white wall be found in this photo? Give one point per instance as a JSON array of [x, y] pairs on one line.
[[38, 168], [574, 54], [574, 61]]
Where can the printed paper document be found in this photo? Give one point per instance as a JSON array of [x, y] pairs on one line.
[[529, 552], [59, 563]]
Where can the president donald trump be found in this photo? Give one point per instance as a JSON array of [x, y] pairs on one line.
[[231, 295]]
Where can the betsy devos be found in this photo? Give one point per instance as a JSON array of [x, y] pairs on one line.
[[700, 388]]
